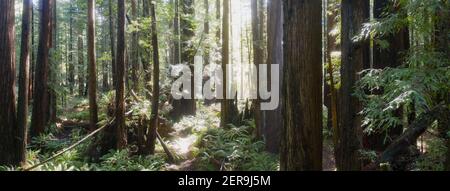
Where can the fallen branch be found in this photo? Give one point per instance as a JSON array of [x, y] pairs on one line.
[[409, 137], [71, 147], [166, 149]]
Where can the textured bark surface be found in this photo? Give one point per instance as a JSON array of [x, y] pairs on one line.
[[152, 131], [71, 78], [134, 51], [302, 96], [112, 40], [354, 56], [93, 108], [40, 94], [24, 79], [120, 86], [273, 120], [81, 72], [226, 104], [258, 58], [8, 144]]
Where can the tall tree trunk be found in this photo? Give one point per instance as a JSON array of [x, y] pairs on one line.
[[112, 39], [81, 75], [152, 131], [134, 51], [54, 62], [354, 56], [120, 86], [93, 116], [257, 60], [40, 94], [226, 104], [8, 142], [206, 32], [176, 32], [273, 119], [24, 75], [302, 96], [71, 60]]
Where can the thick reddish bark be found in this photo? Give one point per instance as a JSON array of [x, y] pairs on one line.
[[40, 97], [8, 144], [354, 56], [120, 72], [152, 131], [24, 79], [93, 108], [273, 121], [302, 94]]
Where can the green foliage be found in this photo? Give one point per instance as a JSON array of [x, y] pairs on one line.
[[433, 159], [418, 82], [233, 148], [122, 161]]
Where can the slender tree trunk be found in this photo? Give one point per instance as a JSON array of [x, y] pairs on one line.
[[24, 75], [354, 57], [8, 131], [93, 119], [71, 60], [81, 75], [206, 32], [112, 41], [274, 120], [226, 104], [257, 60], [54, 62], [120, 86], [134, 51], [40, 94], [151, 136], [302, 97]]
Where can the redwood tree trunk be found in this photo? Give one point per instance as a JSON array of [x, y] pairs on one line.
[[226, 105], [120, 72], [112, 39], [93, 119], [273, 121], [302, 103], [24, 79], [40, 97], [354, 56], [152, 131], [8, 144]]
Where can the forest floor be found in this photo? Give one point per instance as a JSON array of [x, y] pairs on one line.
[[196, 142]]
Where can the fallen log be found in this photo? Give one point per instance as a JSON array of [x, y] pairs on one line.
[[408, 138]]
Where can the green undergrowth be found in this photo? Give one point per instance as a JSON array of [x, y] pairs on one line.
[[233, 149]]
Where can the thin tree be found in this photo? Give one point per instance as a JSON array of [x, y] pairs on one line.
[[120, 72], [151, 136], [40, 94], [112, 40], [93, 108], [226, 104], [24, 79], [273, 121], [71, 60], [8, 142], [302, 94]]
